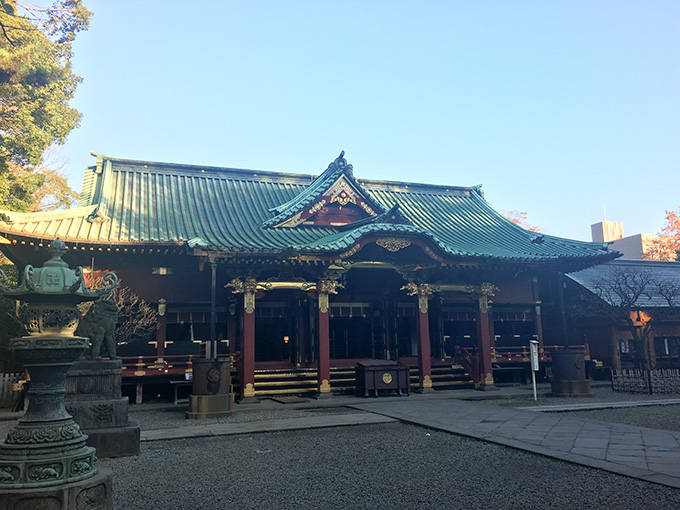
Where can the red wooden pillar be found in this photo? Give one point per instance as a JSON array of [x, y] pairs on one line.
[[424, 292], [247, 287], [484, 342], [324, 288], [424, 361], [248, 351], [324, 358]]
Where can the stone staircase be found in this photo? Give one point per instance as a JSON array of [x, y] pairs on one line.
[[300, 381]]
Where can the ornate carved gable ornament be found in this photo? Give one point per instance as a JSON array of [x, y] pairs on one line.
[[393, 244], [334, 199]]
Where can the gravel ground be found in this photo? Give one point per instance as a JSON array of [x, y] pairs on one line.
[[375, 466]]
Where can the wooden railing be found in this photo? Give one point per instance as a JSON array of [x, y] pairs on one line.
[[468, 358], [147, 366], [469, 361], [8, 382], [518, 354], [522, 355]]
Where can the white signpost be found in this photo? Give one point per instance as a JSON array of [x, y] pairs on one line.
[[534, 363]]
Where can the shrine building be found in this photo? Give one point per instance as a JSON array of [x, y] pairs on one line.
[[299, 277]]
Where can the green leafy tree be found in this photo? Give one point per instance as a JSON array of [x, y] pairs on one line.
[[36, 84], [10, 324]]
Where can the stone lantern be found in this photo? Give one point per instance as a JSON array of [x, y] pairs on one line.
[[44, 461]]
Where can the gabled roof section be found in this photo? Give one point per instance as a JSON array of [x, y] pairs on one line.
[[391, 217], [656, 281], [334, 199]]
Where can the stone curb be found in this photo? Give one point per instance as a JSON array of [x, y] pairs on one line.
[[228, 429], [602, 405]]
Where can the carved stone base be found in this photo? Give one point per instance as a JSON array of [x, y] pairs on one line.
[[487, 387], [579, 388], [569, 374], [93, 398], [35, 464], [94, 414], [99, 379], [115, 442], [249, 400], [91, 494], [209, 406]]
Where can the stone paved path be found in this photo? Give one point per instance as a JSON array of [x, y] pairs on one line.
[[648, 454]]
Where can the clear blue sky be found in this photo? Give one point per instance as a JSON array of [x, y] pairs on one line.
[[556, 108]]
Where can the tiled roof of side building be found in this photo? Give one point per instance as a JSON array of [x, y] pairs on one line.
[[657, 281], [227, 209]]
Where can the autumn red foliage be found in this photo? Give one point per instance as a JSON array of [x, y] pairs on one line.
[[667, 244], [520, 218]]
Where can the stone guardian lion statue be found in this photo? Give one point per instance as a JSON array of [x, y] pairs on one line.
[[99, 325]]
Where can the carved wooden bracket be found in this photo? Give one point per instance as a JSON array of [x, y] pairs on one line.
[[247, 286], [424, 291], [484, 292], [324, 288]]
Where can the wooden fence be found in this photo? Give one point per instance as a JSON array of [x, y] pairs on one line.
[[647, 381], [7, 382]]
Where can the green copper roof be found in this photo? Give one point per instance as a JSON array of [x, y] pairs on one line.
[[237, 210]]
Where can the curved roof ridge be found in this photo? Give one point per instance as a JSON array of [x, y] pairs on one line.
[[419, 187], [159, 166], [25, 217]]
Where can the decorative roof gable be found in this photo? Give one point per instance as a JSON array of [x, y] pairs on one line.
[[334, 199]]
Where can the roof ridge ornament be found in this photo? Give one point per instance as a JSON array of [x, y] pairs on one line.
[[335, 198], [341, 162], [98, 216]]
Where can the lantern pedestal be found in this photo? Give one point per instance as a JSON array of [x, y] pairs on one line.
[[44, 461], [94, 399], [93, 494], [569, 374], [210, 396]]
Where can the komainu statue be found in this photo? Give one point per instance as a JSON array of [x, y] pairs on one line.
[[99, 324]]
